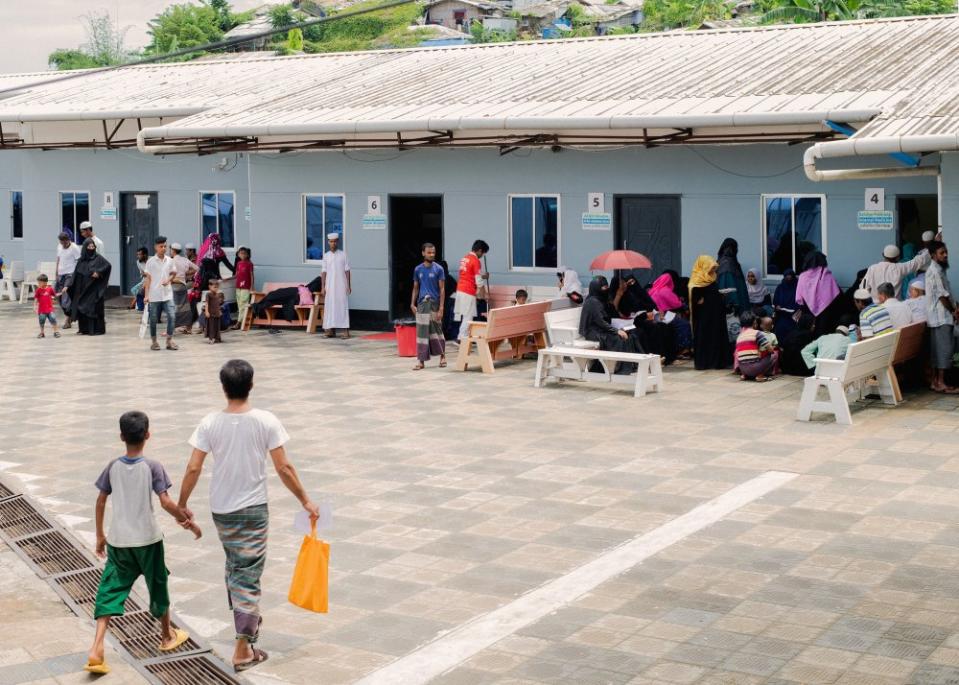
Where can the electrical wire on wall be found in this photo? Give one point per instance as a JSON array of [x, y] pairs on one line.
[[703, 157]]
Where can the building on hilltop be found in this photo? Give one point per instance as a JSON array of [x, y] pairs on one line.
[[551, 151]]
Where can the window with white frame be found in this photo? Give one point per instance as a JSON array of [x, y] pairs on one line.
[[218, 215], [74, 210], [16, 214], [322, 215], [793, 226], [534, 231]]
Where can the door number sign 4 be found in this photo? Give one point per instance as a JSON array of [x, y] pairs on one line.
[[875, 199]]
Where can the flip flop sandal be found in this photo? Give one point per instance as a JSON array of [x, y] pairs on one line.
[[442, 365], [180, 636], [259, 656], [97, 667]]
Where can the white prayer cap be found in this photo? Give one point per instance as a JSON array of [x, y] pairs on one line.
[[190, 246], [332, 236], [862, 294], [842, 329], [890, 252], [86, 224], [928, 236], [176, 246], [918, 284]]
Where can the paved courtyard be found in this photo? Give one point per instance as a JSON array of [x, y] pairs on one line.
[[456, 494]]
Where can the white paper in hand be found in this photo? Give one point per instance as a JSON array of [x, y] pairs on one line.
[[301, 522], [144, 322]]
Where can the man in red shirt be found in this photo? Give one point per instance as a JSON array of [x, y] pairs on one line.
[[471, 277], [43, 297]]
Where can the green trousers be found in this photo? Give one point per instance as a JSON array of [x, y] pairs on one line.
[[124, 566]]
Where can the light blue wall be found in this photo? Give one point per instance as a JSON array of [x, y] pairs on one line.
[[10, 179], [176, 179], [720, 189], [950, 197]]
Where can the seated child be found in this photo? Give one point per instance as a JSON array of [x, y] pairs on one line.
[[766, 325], [521, 297], [755, 357]]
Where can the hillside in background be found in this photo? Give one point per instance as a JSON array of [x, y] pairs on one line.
[[447, 22]]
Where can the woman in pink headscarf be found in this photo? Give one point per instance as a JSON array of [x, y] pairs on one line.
[[817, 292], [663, 292]]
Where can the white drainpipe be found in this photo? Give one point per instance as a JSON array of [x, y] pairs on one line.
[[854, 147]]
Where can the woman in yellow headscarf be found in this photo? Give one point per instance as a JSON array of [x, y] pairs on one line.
[[707, 314]]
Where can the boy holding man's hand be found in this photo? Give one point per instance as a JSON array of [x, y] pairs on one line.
[[134, 546]]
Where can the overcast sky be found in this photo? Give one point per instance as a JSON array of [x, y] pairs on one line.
[[32, 29]]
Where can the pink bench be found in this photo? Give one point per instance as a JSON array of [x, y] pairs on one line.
[[307, 316]]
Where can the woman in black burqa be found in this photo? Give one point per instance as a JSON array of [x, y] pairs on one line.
[[631, 300], [595, 324], [89, 289]]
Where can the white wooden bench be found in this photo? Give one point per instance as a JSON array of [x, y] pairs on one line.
[[516, 324], [865, 359], [570, 355], [909, 347], [572, 363], [562, 327]]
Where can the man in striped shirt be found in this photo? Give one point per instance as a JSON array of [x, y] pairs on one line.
[[874, 319]]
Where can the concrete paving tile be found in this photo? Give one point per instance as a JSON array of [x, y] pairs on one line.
[[845, 575]]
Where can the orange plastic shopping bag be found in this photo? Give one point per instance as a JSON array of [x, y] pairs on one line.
[[310, 588]]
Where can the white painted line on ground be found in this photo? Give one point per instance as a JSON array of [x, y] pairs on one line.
[[458, 645]]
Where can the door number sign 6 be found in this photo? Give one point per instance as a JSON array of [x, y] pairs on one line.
[[373, 204]]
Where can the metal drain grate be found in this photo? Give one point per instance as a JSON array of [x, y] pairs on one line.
[[19, 518], [57, 557], [194, 670], [80, 589], [53, 553], [139, 634]]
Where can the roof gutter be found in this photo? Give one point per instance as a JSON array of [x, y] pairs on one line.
[[74, 115], [884, 145], [463, 124]]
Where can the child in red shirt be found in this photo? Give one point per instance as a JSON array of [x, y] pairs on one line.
[[43, 298], [244, 283]]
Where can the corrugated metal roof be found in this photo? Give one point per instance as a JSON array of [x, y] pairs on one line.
[[860, 65]]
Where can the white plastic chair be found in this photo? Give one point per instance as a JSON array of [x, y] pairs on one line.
[[12, 275], [30, 282]]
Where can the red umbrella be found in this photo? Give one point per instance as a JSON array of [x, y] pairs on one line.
[[620, 259]]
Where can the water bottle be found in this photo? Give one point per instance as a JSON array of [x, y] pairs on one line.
[[852, 334]]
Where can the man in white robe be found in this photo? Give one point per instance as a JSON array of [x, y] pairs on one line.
[[336, 289], [891, 270]]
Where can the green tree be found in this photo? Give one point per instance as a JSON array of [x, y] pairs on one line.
[[64, 60], [104, 45], [281, 15], [294, 40], [183, 26], [663, 15], [800, 11], [224, 13]]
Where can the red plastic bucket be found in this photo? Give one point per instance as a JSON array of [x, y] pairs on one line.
[[405, 340]]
